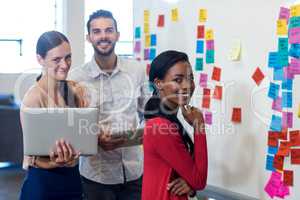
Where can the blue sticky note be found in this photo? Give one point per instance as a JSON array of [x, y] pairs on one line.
[[287, 84], [287, 99], [283, 44], [273, 90], [152, 53], [269, 163], [273, 59], [278, 74], [137, 33], [294, 50], [200, 46], [153, 40], [272, 150], [199, 64], [294, 22], [276, 123], [283, 59], [210, 56]]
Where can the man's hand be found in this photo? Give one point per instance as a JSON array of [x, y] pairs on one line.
[[179, 187]]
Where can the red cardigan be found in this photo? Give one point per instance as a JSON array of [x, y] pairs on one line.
[[164, 154]]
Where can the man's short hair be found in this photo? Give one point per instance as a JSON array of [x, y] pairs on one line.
[[99, 14]]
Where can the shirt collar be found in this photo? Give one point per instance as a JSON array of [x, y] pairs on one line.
[[95, 71]]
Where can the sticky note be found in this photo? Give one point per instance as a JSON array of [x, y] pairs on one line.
[[287, 99], [273, 59], [146, 28], [236, 115], [209, 34], [284, 13], [152, 54], [284, 148], [287, 84], [206, 98], [283, 57], [272, 150], [276, 123], [137, 32], [278, 162], [153, 40], [294, 35], [218, 92], [146, 54], [288, 177], [282, 28], [199, 64], [273, 90], [146, 15], [295, 10], [148, 66], [208, 118], [287, 119], [203, 80], [294, 51], [200, 31], [273, 138], [210, 45], [137, 47], [295, 156], [216, 74], [147, 40], [277, 104], [299, 111], [283, 134], [210, 56], [294, 22], [287, 73], [161, 21], [200, 46], [235, 51], [269, 163], [278, 74], [282, 191], [295, 138], [258, 76], [202, 15], [174, 15], [283, 44]]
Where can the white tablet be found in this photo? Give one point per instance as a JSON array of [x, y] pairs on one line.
[[43, 126]]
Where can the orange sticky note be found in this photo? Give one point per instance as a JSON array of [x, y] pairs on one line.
[[284, 148], [295, 138], [295, 156], [278, 162], [218, 92], [236, 115], [200, 31], [161, 21], [288, 177], [206, 98], [216, 74], [272, 139], [283, 134], [258, 76]]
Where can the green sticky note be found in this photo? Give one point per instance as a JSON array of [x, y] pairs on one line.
[[210, 56], [199, 64]]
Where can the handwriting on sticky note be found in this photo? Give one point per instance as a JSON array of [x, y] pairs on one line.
[[206, 98], [295, 156], [284, 148], [146, 28], [295, 10], [200, 31], [202, 15], [161, 21], [273, 138], [284, 13], [208, 118], [276, 123], [210, 45], [174, 15], [288, 177], [203, 80], [216, 74], [146, 16], [278, 162], [277, 104], [282, 28], [209, 34], [236, 115], [137, 47], [218, 92], [147, 40]]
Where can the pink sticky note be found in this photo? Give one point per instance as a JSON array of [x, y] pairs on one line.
[[294, 35], [270, 190], [282, 191], [146, 54], [208, 118], [287, 119], [137, 47], [210, 45], [203, 80], [284, 13], [287, 73], [277, 104]]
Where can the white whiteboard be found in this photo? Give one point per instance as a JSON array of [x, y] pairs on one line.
[[237, 156]]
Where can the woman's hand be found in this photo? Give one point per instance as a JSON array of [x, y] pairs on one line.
[[63, 154], [179, 187], [194, 117]]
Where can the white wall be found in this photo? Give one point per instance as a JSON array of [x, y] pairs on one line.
[[74, 27]]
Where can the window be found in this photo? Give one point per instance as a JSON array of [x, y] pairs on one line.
[[123, 13], [21, 23]]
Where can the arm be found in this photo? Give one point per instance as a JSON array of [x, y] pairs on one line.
[[168, 144]]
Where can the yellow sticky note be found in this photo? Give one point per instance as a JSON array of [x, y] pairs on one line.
[[209, 34], [235, 51], [282, 28], [146, 16], [147, 40], [146, 28], [174, 14], [299, 111], [202, 15], [295, 10]]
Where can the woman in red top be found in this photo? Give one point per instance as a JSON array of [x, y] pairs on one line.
[[174, 167]]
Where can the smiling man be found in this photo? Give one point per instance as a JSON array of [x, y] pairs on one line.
[[118, 89]]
